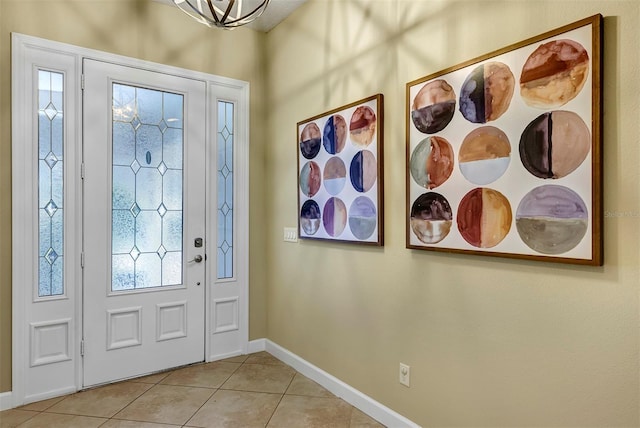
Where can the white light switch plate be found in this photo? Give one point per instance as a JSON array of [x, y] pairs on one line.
[[290, 234]]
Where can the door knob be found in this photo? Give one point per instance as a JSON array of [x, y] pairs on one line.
[[197, 259]]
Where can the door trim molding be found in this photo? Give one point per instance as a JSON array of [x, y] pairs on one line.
[[25, 234]]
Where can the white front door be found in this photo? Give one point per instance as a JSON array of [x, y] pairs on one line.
[[144, 221], [123, 175]]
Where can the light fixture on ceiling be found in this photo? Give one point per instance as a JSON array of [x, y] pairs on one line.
[[223, 13]]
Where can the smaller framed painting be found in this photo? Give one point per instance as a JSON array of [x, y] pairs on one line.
[[340, 181], [504, 151]]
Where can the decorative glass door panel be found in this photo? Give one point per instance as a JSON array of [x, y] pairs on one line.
[[145, 214], [225, 139], [50, 173], [147, 188]]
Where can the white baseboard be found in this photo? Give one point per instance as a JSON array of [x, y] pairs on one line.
[[349, 394], [257, 346], [6, 401]]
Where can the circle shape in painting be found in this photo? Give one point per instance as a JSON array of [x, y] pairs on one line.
[[486, 92], [363, 171], [362, 126], [431, 217], [310, 141], [334, 216], [554, 144], [484, 155], [484, 217], [433, 107], [310, 179], [362, 217], [431, 162], [334, 134], [554, 74], [334, 175], [310, 217], [552, 219]]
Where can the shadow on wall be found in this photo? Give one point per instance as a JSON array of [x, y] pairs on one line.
[[373, 45]]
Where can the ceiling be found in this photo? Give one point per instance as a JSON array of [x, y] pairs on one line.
[[276, 12]]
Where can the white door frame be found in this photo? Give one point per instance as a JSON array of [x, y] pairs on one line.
[[28, 54]]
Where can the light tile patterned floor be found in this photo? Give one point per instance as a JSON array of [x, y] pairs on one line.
[[254, 390]]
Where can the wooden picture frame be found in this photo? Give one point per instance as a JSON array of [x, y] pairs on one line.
[[340, 180], [504, 152]]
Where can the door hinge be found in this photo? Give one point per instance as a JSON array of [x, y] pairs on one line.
[[82, 82], [82, 170], [82, 348], [82, 260]]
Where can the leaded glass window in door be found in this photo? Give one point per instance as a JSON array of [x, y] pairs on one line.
[[225, 134], [50, 183], [147, 213]]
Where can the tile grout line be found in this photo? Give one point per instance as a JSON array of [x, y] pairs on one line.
[[211, 396], [280, 401]]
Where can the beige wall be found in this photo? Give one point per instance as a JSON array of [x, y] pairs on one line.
[[490, 341], [150, 31]]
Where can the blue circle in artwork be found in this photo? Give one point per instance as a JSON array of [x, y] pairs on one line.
[[472, 96], [334, 134], [362, 217], [356, 172], [329, 136], [310, 215]]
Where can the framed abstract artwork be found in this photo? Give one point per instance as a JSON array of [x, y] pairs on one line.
[[340, 182], [504, 151]]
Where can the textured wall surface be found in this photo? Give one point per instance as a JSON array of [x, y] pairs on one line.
[[490, 341]]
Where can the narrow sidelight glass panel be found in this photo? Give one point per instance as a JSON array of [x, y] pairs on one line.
[[224, 143], [147, 229], [50, 183]]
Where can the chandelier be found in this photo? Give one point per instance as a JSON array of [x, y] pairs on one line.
[[226, 14]]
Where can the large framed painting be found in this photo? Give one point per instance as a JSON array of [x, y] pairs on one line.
[[340, 181], [504, 151]]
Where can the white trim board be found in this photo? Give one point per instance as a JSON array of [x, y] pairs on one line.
[[334, 385], [6, 400]]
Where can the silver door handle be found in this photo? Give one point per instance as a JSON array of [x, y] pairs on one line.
[[197, 259]]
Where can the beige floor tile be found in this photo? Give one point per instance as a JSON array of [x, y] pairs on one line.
[[260, 378], [302, 385], [103, 402], [41, 406], [236, 409], [113, 423], [55, 420], [311, 412], [263, 358], [362, 420], [167, 404], [210, 375], [14, 417]]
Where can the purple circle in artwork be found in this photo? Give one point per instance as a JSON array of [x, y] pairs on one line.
[[552, 219], [362, 217], [334, 216]]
